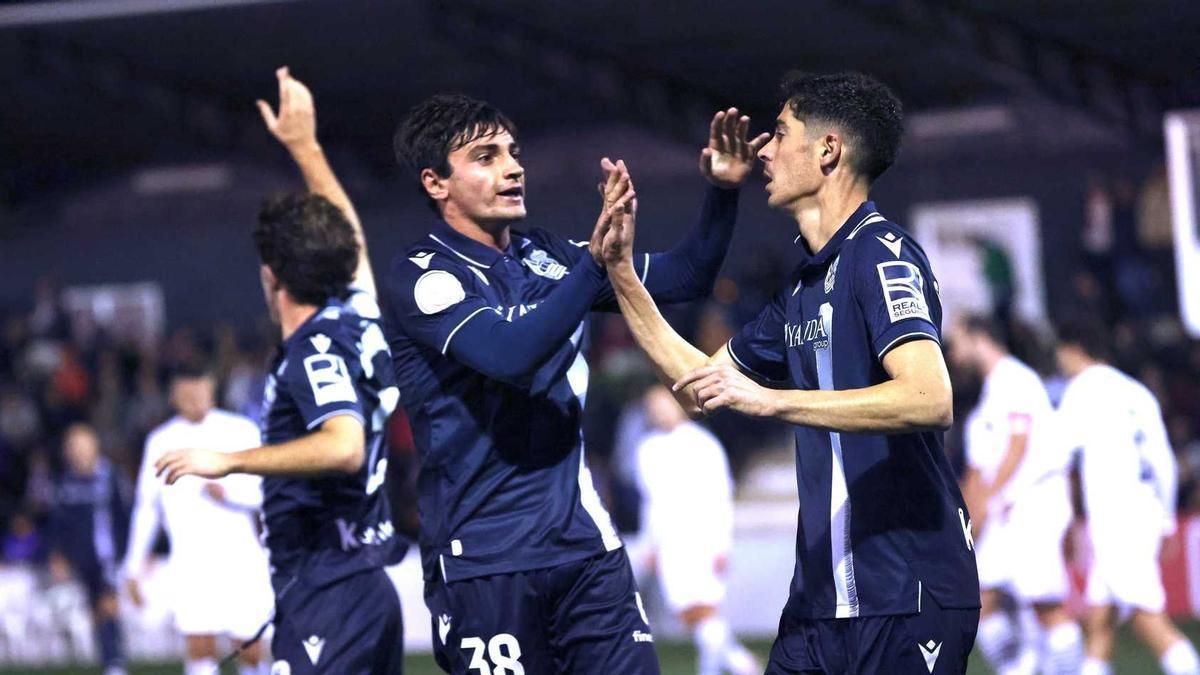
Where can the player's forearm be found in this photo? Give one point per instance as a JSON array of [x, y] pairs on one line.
[[671, 355], [1013, 456], [892, 407], [321, 451], [320, 179], [141, 537], [513, 351]]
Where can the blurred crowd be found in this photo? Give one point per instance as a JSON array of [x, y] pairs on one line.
[[56, 371]]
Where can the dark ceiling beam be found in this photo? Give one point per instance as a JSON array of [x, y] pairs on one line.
[[632, 91], [1030, 64]]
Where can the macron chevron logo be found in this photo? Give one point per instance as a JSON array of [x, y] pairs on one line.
[[892, 242], [313, 646], [930, 650]]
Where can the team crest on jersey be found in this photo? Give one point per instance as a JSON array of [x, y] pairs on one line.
[[903, 290], [544, 266], [831, 275]]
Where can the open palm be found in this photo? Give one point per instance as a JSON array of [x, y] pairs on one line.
[[730, 155]]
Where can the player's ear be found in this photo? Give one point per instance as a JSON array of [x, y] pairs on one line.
[[435, 186], [269, 282], [829, 151]]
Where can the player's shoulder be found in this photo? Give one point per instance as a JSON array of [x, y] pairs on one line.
[[233, 420], [334, 330], [1013, 373], [161, 433], [880, 237], [425, 261], [554, 242]]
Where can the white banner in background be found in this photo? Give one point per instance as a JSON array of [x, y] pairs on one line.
[[982, 250], [1182, 130]]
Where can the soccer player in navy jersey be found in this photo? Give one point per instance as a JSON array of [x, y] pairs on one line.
[[330, 390], [848, 352], [524, 571]]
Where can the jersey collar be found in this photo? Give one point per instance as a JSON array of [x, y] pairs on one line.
[[466, 248], [864, 214]]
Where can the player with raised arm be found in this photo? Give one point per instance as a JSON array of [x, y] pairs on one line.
[[329, 393], [1016, 486], [524, 571], [885, 576], [219, 582], [1128, 476]]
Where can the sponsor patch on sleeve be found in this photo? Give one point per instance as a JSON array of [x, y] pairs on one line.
[[436, 290], [329, 379], [903, 290]]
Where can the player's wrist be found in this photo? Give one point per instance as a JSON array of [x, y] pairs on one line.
[[303, 149]]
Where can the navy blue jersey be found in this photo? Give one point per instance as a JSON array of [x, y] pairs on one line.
[[881, 516], [325, 528], [89, 519], [488, 345]]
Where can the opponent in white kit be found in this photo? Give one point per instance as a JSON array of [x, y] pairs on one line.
[[687, 515], [1017, 491], [217, 568], [1128, 475]]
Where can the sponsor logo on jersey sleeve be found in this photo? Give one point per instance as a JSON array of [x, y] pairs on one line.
[[903, 290]]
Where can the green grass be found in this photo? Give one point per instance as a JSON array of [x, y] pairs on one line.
[[676, 659]]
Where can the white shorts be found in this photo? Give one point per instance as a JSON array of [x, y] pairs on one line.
[[1021, 551], [232, 602], [688, 575], [1125, 571]]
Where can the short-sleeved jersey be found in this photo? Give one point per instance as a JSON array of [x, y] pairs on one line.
[[1127, 468], [881, 516], [204, 532], [1014, 402], [328, 527], [504, 486]]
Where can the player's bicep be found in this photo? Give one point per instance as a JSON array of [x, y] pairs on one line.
[[926, 394]]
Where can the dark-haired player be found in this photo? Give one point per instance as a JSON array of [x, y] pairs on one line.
[[328, 396], [524, 571], [1128, 475], [885, 577]]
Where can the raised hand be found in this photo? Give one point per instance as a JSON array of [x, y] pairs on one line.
[[730, 156], [296, 124], [617, 194], [204, 463]]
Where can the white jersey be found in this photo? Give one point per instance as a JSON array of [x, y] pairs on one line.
[[1128, 470], [686, 488], [206, 535], [1014, 402]]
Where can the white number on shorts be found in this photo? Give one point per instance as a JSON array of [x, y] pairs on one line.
[[502, 663]]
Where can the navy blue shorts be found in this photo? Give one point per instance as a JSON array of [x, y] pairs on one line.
[[352, 626], [935, 641], [581, 617]]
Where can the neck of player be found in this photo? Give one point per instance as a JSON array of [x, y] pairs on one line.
[[823, 213], [494, 234], [292, 314]]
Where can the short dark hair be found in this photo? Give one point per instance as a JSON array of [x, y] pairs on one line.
[[980, 324], [1089, 335], [309, 246], [190, 369], [860, 106], [439, 125]]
